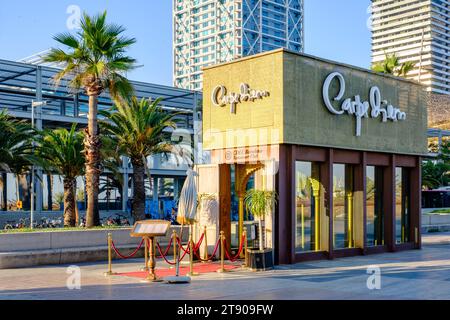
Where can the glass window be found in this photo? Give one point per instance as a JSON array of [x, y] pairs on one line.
[[307, 222], [374, 206], [343, 215], [402, 205]]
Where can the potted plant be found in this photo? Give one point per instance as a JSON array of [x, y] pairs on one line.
[[258, 202], [59, 199]]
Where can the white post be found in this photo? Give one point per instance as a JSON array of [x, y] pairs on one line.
[[33, 104], [32, 172]]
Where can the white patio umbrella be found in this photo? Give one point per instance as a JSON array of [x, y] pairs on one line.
[[187, 210], [187, 204]]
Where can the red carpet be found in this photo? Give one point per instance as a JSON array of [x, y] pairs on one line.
[[164, 272]]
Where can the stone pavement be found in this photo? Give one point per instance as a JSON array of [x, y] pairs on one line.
[[417, 274], [436, 238]]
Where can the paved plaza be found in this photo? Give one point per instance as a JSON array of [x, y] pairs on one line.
[[417, 274]]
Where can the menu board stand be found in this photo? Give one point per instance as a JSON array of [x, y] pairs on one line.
[[149, 230]]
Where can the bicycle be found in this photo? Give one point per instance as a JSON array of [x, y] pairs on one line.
[[12, 224], [116, 220]]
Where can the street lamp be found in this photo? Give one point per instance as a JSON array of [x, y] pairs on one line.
[[34, 104]]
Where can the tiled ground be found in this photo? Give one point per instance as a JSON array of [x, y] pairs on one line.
[[418, 274]]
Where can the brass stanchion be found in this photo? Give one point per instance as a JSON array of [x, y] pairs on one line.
[[245, 250], [205, 254], [191, 255], [222, 253], [174, 240], [109, 272]]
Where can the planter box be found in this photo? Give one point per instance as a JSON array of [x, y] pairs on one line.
[[260, 260], [61, 247], [63, 239]]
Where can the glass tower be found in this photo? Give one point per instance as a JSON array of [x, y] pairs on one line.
[[208, 32], [417, 31]]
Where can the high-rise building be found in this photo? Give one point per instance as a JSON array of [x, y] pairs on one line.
[[208, 32], [417, 31]]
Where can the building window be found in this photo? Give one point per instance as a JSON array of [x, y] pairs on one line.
[[343, 213], [402, 205], [307, 221], [374, 206]]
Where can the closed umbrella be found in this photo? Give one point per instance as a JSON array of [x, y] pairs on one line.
[[187, 205], [187, 210]]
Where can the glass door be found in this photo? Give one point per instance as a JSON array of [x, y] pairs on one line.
[[307, 222]]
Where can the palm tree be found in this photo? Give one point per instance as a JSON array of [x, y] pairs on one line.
[[95, 61], [391, 65], [61, 151], [137, 129], [15, 142], [258, 202], [15, 146], [435, 174]]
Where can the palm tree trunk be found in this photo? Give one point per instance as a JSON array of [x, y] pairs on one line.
[[69, 202], [139, 190], [77, 215], [5, 192], [49, 192], [24, 191], [92, 151], [260, 227]]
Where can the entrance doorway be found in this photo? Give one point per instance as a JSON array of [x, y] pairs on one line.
[[225, 187]]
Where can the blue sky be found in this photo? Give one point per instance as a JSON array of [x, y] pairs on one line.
[[334, 29]]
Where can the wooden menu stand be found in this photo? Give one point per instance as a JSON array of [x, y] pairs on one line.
[[149, 230]]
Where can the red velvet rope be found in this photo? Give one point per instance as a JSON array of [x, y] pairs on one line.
[[163, 255], [129, 256], [181, 246], [167, 249], [184, 254], [212, 255], [233, 259], [197, 246]]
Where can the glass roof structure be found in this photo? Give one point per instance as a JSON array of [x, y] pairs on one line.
[[21, 83]]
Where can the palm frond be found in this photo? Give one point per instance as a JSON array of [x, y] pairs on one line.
[[137, 127], [95, 56]]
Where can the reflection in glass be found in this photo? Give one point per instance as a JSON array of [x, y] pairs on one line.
[[234, 212], [374, 206], [343, 217], [402, 205], [307, 186]]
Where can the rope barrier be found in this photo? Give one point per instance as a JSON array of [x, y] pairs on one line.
[[233, 259], [196, 246], [212, 255], [181, 246], [167, 249], [199, 243], [195, 249], [130, 255], [163, 255], [184, 254]]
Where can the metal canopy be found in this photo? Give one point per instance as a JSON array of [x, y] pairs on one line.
[[20, 83]]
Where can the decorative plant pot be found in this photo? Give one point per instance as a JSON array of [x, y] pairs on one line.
[[260, 260]]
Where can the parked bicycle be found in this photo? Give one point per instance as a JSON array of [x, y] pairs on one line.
[[116, 220], [49, 223], [13, 224]]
